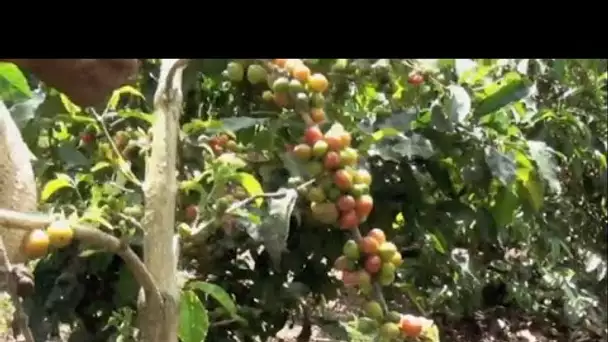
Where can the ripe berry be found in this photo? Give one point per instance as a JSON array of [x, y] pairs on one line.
[[318, 83], [378, 235], [280, 62], [292, 63], [343, 180], [369, 245], [301, 72], [87, 138], [346, 203], [373, 264], [411, 326], [36, 244], [349, 220], [317, 115], [415, 79], [312, 135], [332, 160], [334, 142], [345, 139], [191, 212], [364, 206]]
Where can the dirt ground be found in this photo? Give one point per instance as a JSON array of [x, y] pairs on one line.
[[496, 325]]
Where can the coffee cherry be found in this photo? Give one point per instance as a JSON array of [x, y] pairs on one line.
[[312, 135], [303, 152], [332, 160], [369, 245], [377, 234], [343, 180], [351, 250], [36, 244], [346, 203], [349, 220], [373, 264], [60, 234]]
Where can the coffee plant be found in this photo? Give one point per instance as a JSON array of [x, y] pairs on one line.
[[423, 191]]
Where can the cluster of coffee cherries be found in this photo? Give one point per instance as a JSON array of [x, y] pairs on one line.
[[37, 242], [340, 194], [223, 143], [368, 260]]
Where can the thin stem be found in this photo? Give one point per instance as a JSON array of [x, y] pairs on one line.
[[130, 175], [89, 236], [240, 204]]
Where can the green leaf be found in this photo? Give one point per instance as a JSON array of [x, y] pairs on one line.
[[274, 229], [457, 104], [504, 207], [69, 106], [513, 91], [217, 293], [70, 155], [439, 118], [130, 113], [501, 165], [251, 185], [401, 121], [193, 318], [439, 247], [24, 112], [52, 186], [543, 157], [124, 90], [402, 146], [13, 84], [532, 189], [235, 124]]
